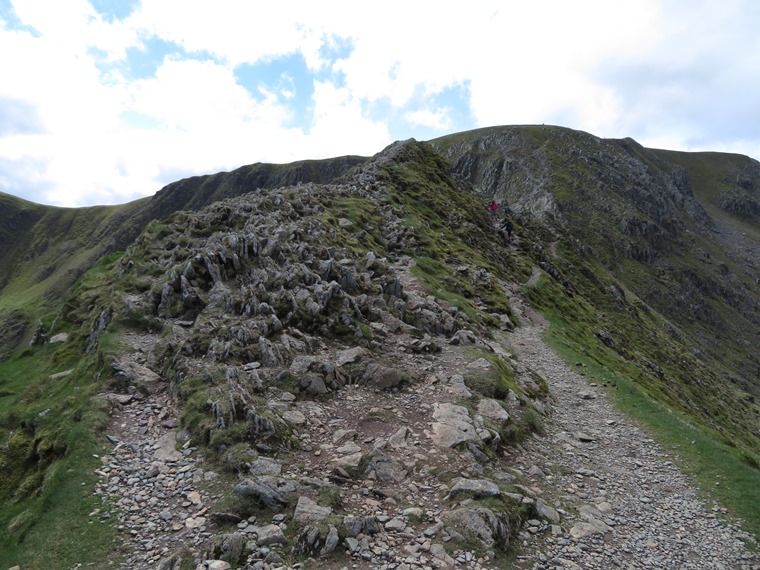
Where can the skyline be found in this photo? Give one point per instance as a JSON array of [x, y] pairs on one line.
[[107, 101]]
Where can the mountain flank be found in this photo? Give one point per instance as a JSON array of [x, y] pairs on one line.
[[323, 364]]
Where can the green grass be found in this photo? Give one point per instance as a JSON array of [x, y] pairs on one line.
[[48, 463], [49, 437], [702, 455]]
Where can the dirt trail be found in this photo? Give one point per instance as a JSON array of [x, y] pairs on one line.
[[624, 503]]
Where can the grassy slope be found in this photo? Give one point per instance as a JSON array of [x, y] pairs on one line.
[[46, 249], [51, 431]]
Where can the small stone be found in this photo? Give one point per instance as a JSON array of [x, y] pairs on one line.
[[270, 534], [309, 512], [395, 524]]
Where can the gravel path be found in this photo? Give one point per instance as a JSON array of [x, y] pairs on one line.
[[624, 503]]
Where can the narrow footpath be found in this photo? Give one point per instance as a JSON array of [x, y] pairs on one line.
[[624, 504]]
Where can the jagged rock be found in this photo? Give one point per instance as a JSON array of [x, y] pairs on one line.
[[352, 460], [171, 562], [393, 324], [463, 337], [272, 492], [482, 525], [382, 377], [349, 447], [267, 355], [458, 387], [39, 337], [270, 534], [312, 383], [165, 448], [220, 297], [385, 469], [311, 540], [265, 466], [547, 512], [230, 547], [512, 400], [396, 524], [492, 409], [536, 471], [303, 364], [349, 355], [331, 541], [480, 364], [452, 426], [60, 337], [194, 522], [129, 372], [474, 488], [438, 552], [294, 417], [225, 518], [308, 512], [398, 439], [356, 525], [115, 399], [582, 530], [341, 433]]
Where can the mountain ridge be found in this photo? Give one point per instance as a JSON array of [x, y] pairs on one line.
[[256, 294]]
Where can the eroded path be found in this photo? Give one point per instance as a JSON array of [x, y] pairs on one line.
[[624, 504], [396, 471]]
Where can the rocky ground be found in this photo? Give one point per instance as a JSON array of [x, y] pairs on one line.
[[624, 504], [345, 417], [394, 479]]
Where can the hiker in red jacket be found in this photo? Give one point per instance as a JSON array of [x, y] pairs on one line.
[[492, 207]]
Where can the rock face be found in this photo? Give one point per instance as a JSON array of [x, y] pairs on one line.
[[309, 512], [452, 426], [654, 202], [473, 488]]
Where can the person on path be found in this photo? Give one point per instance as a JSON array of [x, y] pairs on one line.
[[492, 207]]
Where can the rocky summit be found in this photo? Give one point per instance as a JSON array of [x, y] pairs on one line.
[[353, 364]]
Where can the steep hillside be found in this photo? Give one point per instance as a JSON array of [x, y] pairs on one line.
[[674, 230], [326, 345], [46, 249]]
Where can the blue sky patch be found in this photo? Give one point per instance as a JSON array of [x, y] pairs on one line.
[[112, 10], [336, 47], [144, 61], [453, 102], [287, 77], [11, 21]]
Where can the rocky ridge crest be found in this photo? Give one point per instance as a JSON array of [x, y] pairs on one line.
[[338, 400]]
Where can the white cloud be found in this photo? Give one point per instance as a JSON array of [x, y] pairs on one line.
[[340, 126], [434, 119], [680, 73]]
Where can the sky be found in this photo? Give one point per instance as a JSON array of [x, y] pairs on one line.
[[107, 101]]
